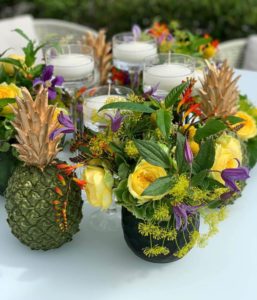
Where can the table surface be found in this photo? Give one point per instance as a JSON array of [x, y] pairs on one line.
[[99, 265]]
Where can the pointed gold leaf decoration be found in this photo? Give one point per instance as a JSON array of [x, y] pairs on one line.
[[219, 91], [34, 121]]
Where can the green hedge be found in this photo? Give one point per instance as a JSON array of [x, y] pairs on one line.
[[224, 19]]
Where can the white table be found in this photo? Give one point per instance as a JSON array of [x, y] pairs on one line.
[[98, 265]]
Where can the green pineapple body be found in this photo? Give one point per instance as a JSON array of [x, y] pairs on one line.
[[38, 216]]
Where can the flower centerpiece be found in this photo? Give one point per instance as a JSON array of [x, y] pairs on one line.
[[169, 162]]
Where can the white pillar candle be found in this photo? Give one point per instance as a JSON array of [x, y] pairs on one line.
[[72, 66], [92, 119], [168, 76], [133, 52], [198, 75]]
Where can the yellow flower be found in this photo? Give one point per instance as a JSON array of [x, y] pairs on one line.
[[9, 68], [227, 150], [143, 175], [99, 182], [8, 91], [249, 130], [209, 51]]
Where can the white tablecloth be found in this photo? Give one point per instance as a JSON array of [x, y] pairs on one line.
[[98, 265]]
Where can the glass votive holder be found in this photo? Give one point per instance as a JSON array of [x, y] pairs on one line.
[[200, 68], [74, 62], [95, 98], [167, 70], [128, 57]]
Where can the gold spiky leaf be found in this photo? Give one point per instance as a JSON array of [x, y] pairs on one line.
[[102, 52], [34, 121], [219, 91]]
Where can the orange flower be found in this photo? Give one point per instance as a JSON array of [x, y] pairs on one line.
[[81, 91], [80, 183], [58, 191], [67, 169], [61, 179], [159, 30]]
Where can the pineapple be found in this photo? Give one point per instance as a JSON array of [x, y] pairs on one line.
[[43, 202], [219, 91]]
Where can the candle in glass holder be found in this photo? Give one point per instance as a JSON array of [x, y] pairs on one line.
[[167, 76], [72, 66], [134, 51]]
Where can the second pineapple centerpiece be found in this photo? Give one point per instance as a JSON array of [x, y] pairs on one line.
[[43, 197]]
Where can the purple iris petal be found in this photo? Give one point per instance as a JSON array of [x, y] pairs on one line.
[[169, 37], [136, 30], [51, 93], [230, 176], [57, 81], [152, 91], [58, 131], [181, 213], [225, 196], [115, 121], [47, 73], [188, 154], [65, 120], [37, 81]]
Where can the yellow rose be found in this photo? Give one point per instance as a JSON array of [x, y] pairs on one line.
[[227, 150], [143, 175], [99, 182], [8, 91], [9, 68], [249, 130]]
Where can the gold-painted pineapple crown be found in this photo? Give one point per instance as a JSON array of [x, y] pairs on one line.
[[34, 121]]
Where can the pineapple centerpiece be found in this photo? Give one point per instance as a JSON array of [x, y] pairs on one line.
[[43, 197]]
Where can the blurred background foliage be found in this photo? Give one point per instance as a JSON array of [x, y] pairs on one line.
[[223, 19]]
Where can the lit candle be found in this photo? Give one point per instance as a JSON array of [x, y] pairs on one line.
[[167, 75], [134, 51], [73, 66], [92, 118]]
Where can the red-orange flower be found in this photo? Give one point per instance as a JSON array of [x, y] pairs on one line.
[[61, 179], [159, 30], [81, 183], [58, 191], [67, 169], [81, 91]]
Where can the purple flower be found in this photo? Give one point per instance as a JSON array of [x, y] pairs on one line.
[[230, 176], [164, 37], [181, 213], [67, 126], [152, 92], [115, 121], [47, 80], [188, 154], [136, 30]]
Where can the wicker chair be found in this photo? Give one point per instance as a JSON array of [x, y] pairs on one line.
[[59, 28], [233, 51]]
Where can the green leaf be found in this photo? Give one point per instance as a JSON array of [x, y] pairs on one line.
[[153, 153], [6, 101], [174, 94], [179, 154], [4, 147], [20, 32], [30, 57], [252, 151], [163, 120], [205, 158], [12, 61], [123, 171], [211, 127], [137, 107], [234, 120], [197, 179], [159, 187], [37, 70]]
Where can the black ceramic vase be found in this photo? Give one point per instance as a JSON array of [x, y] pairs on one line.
[[137, 242]]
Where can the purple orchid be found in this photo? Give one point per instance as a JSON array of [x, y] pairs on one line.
[[115, 121], [152, 92], [230, 176], [181, 213], [188, 154], [67, 126], [47, 80], [136, 31]]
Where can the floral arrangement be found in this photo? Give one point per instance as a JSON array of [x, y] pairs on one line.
[[169, 161]]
